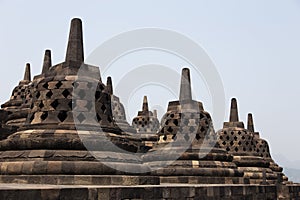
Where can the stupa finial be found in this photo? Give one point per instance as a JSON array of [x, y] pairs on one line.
[[75, 43], [250, 124], [234, 116], [109, 86], [145, 104], [47, 61], [185, 85], [27, 75]]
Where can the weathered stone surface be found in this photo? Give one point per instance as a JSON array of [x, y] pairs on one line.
[[64, 135], [251, 154], [187, 137]]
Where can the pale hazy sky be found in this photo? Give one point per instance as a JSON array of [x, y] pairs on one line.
[[254, 44]]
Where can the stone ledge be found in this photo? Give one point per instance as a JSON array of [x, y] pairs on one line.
[[166, 191]]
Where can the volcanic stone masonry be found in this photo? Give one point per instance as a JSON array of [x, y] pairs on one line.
[[64, 135]]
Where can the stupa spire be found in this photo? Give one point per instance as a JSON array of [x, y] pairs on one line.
[[145, 104], [109, 86], [27, 74], [250, 124], [155, 113], [185, 86], [47, 61], [234, 116], [75, 43]]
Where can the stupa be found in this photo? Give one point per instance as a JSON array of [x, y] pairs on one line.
[[17, 107], [243, 144], [186, 151], [69, 131], [146, 125], [64, 135]]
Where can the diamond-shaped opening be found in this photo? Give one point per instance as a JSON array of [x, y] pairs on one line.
[[186, 137], [58, 84], [54, 104], [98, 117], [231, 143], [175, 121], [192, 129], [235, 138], [97, 94], [198, 137], [232, 133], [236, 149], [227, 137], [45, 86], [66, 93], [44, 115], [165, 138], [81, 117], [224, 143], [49, 94], [38, 94], [103, 108], [41, 105], [170, 129], [227, 149], [62, 115], [202, 129], [186, 122], [239, 133], [81, 94], [240, 143]]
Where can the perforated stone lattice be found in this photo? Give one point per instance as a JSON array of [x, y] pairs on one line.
[[237, 140], [118, 110], [176, 125], [147, 124], [262, 148], [54, 101]]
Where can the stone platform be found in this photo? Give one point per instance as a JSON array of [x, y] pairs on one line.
[[165, 191], [64, 135]]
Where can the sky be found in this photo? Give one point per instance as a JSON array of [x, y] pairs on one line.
[[253, 44]]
